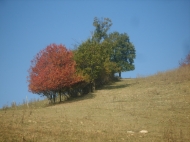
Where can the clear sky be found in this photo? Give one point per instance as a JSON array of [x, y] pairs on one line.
[[159, 30]]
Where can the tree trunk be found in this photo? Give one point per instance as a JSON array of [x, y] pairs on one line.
[[59, 96], [50, 99], [54, 98], [92, 86], [119, 74]]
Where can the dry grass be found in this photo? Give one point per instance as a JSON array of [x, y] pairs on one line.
[[159, 104]]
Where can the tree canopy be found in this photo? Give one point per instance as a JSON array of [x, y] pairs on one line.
[[105, 49], [94, 62], [186, 61], [101, 28], [123, 51], [52, 70]]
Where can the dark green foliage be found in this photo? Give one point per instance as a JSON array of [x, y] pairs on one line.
[[104, 54], [123, 51]]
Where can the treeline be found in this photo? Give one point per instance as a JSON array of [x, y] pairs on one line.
[[57, 71]]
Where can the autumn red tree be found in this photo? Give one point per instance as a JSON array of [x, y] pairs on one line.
[[186, 61], [52, 71]]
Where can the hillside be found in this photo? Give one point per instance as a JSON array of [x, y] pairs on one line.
[[159, 104]]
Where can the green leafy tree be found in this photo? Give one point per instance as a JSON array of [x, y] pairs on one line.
[[101, 28], [123, 51], [93, 62], [104, 54], [90, 58]]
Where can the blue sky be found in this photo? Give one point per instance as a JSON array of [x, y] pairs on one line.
[[159, 30]]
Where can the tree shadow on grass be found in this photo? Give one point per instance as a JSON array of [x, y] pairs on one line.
[[116, 86], [93, 95], [83, 97], [109, 87], [75, 99]]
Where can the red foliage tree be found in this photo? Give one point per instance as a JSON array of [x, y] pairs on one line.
[[186, 61], [52, 71]]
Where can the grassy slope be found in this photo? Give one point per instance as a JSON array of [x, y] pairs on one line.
[[159, 104]]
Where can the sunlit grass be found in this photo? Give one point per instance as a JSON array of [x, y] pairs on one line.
[[159, 104]]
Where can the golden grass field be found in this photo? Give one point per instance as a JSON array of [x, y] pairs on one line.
[[159, 104]]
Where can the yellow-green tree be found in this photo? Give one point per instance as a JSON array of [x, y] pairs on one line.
[[93, 60]]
